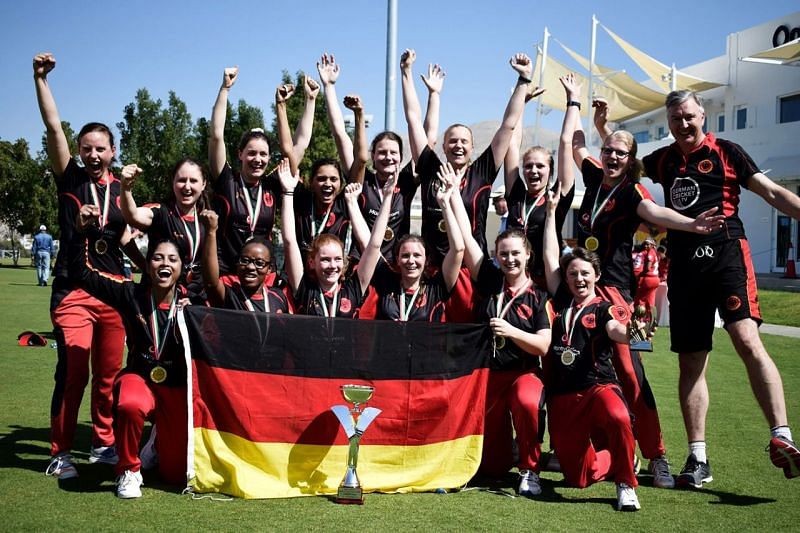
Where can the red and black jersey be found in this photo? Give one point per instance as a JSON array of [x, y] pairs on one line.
[[399, 217], [310, 298], [428, 305], [528, 213], [475, 188], [74, 190], [615, 222], [185, 230], [710, 176], [578, 361], [277, 299], [231, 195], [526, 312], [309, 222]]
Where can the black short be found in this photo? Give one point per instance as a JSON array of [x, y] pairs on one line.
[[701, 281]]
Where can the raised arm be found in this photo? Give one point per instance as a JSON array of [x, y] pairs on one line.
[[328, 70], [552, 254], [302, 135], [451, 264], [511, 161], [57, 145], [571, 129], [417, 137], [434, 82], [521, 64], [781, 199], [705, 223], [215, 289], [355, 174], [360, 228], [601, 110], [282, 94], [138, 217], [293, 259], [216, 138], [372, 253]]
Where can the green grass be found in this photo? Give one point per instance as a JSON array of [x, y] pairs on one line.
[[748, 493], [780, 307]]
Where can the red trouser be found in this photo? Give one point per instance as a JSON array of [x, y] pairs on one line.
[[517, 394], [646, 426], [87, 331], [136, 400], [646, 291], [574, 418]]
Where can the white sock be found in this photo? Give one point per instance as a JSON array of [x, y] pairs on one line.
[[698, 448], [781, 431]]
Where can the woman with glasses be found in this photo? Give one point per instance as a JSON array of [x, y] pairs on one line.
[[614, 204], [252, 291], [176, 218]]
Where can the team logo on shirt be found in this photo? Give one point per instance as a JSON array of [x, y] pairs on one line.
[[684, 193], [610, 205], [705, 166], [331, 220], [589, 321], [524, 311], [345, 306], [268, 199], [733, 303], [619, 313]]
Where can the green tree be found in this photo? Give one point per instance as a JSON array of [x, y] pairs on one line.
[[322, 144]]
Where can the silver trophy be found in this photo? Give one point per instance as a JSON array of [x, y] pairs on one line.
[[642, 326], [355, 422]]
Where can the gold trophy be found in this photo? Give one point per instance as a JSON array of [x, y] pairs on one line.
[[354, 422], [642, 326]]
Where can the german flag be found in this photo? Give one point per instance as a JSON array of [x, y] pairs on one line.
[[264, 384]]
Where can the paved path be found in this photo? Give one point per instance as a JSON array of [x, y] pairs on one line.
[[774, 329]]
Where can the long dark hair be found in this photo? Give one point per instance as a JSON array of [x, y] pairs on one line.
[[204, 202]]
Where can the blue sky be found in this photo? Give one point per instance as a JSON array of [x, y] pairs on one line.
[[107, 50]]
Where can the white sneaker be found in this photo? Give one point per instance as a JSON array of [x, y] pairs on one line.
[[662, 477], [626, 498], [529, 484], [148, 455], [103, 454], [62, 466], [129, 485]]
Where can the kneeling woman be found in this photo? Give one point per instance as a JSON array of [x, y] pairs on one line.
[[584, 394], [515, 310], [153, 383]]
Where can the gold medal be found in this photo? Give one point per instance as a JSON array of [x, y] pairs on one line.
[[388, 235], [499, 342], [592, 244], [100, 246], [158, 374], [568, 356], [443, 226]]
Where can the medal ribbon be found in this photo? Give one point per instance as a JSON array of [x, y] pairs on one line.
[[527, 211], [597, 209], [194, 240], [329, 312], [314, 231], [158, 333], [405, 312], [252, 212], [249, 304], [502, 310], [106, 201], [570, 318]]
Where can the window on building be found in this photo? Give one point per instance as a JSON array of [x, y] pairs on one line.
[[721, 122], [642, 136], [662, 132], [741, 118], [789, 109]]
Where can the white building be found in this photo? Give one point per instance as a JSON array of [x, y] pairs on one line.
[[759, 109]]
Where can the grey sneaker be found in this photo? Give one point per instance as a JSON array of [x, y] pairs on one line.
[[529, 484], [626, 498], [103, 454], [694, 473], [662, 477], [62, 466]]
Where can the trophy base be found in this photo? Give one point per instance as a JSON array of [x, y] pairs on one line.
[[350, 495], [642, 346]]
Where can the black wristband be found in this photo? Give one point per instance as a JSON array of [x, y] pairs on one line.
[[523, 79], [573, 102]]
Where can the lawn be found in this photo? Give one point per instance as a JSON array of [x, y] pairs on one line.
[[747, 493]]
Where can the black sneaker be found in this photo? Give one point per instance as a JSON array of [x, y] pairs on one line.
[[694, 473]]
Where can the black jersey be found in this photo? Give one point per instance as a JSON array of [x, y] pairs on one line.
[[526, 312], [528, 213], [233, 201], [276, 300], [309, 222], [710, 176], [607, 218], [310, 299], [475, 187], [185, 230], [427, 304]]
